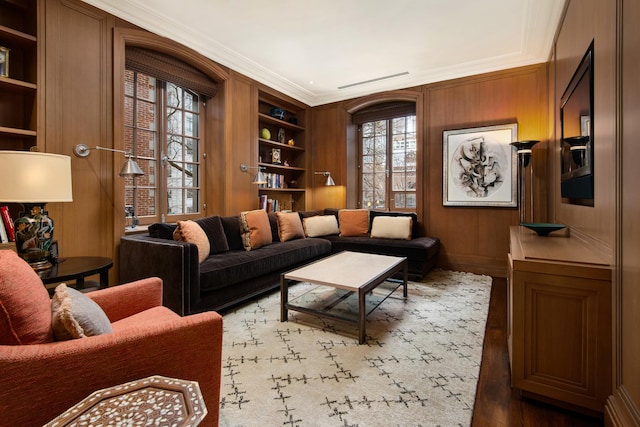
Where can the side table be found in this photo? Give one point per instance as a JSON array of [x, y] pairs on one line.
[[77, 268], [155, 400]]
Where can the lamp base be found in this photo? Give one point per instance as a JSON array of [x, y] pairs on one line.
[[34, 236]]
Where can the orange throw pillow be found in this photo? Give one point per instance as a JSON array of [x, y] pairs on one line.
[[189, 231], [353, 222], [289, 226], [255, 229]]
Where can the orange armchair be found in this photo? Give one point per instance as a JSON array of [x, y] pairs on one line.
[[41, 378]]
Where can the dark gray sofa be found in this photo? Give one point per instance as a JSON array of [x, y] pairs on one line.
[[232, 276]]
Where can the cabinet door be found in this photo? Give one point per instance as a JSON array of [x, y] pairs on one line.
[[561, 338]]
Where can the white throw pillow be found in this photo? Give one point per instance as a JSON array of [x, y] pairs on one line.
[[320, 225], [391, 227]]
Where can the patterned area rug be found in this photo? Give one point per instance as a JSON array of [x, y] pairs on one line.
[[419, 366]]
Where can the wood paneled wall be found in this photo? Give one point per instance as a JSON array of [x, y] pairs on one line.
[[584, 21], [473, 239]]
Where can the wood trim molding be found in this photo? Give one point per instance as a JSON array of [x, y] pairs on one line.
[[620, 411]]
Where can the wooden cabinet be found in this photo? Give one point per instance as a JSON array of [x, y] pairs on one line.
[[282, 141], [559, 318], [18, 90]]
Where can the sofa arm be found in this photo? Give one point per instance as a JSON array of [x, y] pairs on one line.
[[126, 300], [53, 377], [176, 263]]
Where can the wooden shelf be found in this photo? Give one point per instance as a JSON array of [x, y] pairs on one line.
[[281, 123], [286, 198], [284, 190], [19, 91], [282, 167], [11, 36], [18, 86], [22, 133], [280, 145]]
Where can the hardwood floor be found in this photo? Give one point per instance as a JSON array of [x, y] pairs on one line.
[[496, 404]]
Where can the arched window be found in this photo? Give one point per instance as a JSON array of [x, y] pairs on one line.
[[164, 102], [387, 170]]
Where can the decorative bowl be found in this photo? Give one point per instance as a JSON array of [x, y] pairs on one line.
[[278, 113], [542, 228]]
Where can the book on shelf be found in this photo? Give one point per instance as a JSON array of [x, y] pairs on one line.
[[3, 233], [8, 223], [263, 202]]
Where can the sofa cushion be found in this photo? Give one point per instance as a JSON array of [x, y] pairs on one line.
[[307, 214], [273, 223], [414, 217], [189, 231], [230, 268], [75, 315], [25, 307], [320, 225], [212, 227], [162, 230], [255, 229], [289, 226], [353, 222], [389, 227], [231, 226]]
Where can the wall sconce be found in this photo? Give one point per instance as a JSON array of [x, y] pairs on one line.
[[259, 178], [130, 167], [524, 157], [329, 182]]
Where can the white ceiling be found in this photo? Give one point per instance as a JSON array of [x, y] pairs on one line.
[[321, 51]]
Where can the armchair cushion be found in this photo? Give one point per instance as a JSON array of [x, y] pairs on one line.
[[25, 307], [76, 316]]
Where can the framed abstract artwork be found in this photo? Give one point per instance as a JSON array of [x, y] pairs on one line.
[[480, 168]]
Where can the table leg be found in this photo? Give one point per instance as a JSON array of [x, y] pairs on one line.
[[284, 298], [362, 309], [405, 278], [104, 279]]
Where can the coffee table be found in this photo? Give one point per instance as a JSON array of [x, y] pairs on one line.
[[350, 279]]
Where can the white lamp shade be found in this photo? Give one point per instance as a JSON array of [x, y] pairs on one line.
[[30, 177]]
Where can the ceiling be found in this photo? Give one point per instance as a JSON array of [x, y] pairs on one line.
[[321, 51]]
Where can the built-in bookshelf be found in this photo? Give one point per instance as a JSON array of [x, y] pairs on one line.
[[19, 74], [282, 141]]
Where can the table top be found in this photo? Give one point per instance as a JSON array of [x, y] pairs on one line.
[[345, 270], [155, 400], [73, 267]]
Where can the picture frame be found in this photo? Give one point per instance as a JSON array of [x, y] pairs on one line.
[[480, 167], [4, 62]]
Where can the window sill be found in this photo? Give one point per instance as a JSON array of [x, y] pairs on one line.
[[136, 230]]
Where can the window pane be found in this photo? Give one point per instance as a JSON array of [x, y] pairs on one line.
[[174, 121], [146, 87], [398, 181], [411, 201], [145, 115], [367, 130], [367, 146], [190, 101], [399, 201], [190, 124], [128, 83], [174, 96], [128, 111], [174, 202]]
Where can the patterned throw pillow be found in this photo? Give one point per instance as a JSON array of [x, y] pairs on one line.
[[289, 226], [320, 225], [255, 229], [389, 227], [75, 315], [189, 231], [353, 222]]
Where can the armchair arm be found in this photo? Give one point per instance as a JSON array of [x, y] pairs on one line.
[[175, 262], [125, 300], [51, 378]]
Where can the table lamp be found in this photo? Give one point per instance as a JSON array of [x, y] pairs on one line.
[[34, 179]]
